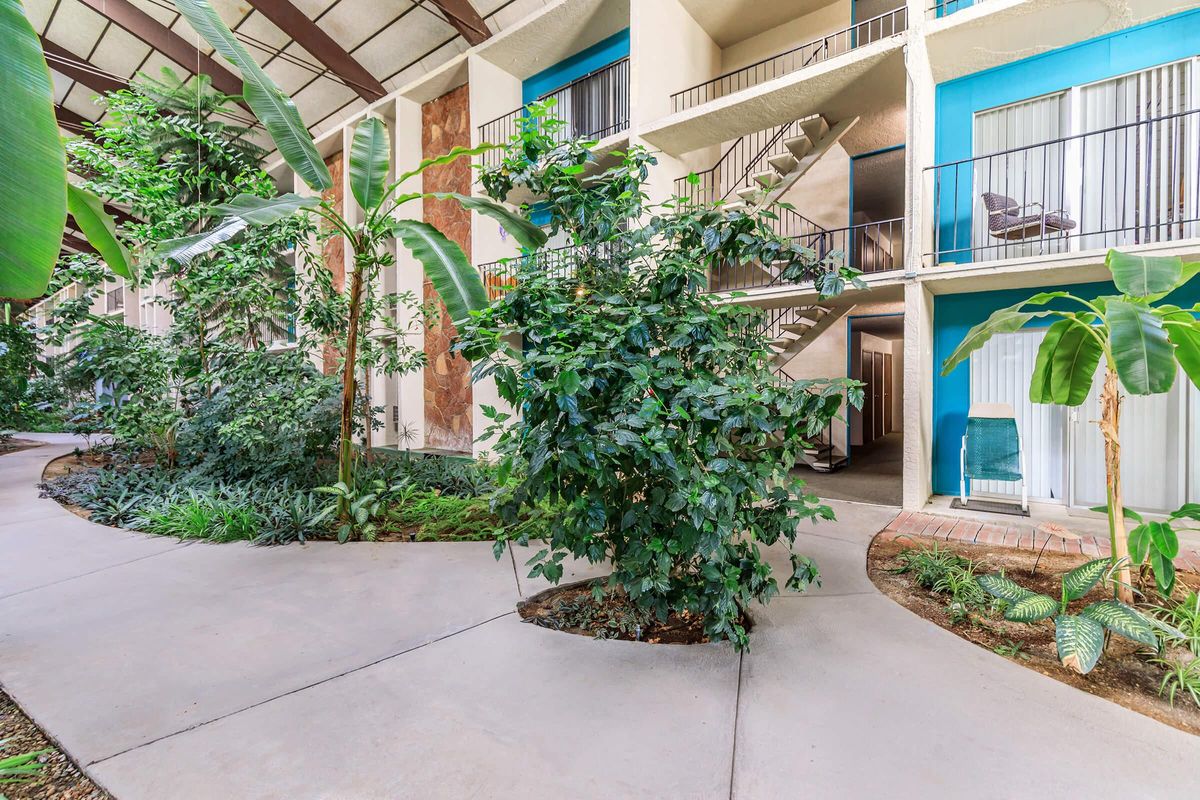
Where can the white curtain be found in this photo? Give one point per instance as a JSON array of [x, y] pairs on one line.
[[1000, 373], [1154, 434], [1032, 174], [1139, 182]]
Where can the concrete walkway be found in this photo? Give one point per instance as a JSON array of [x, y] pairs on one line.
[[400, 671]]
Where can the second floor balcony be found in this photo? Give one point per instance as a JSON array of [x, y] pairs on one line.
[[1120, 186], [810, 53], [595, 106]]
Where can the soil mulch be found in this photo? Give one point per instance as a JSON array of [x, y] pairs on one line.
[[572, 608], [1123, 674], [59, 779], [16, 445]]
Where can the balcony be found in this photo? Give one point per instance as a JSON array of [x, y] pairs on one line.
[[595, 106], [814, 52], [1122, 186], [856, 72], [499, 277]]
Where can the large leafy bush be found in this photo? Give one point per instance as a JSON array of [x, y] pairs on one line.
[[650, 419]]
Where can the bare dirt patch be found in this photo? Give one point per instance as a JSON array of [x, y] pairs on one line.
[[573, 608], [1124, 674]]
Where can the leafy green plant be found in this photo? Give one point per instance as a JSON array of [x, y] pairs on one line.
[[1181, 676], [34, 192], [1010, 649], [944, 572], [608, 616], [364, 505], [1142, 341], [22, 767], [1079, 637], [651, 421], [1179, 622], [456, 281]]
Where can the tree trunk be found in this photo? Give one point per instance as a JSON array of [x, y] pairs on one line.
[[346, 453], [1110, 426]]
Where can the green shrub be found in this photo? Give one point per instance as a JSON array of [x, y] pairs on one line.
[[651, 420], [946, 573]]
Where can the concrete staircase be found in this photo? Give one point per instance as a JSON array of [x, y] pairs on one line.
[[792, 330], [803, 144]]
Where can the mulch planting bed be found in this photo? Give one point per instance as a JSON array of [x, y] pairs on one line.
[[16, 445], [1123, 674], [572, 608], [59, 779]]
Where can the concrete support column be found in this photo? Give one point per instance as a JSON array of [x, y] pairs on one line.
[[918, 395]]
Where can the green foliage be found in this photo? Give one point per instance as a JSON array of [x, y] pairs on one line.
[[271, 415], [18, 364], [1178, 623], [200, 515], [33, 203], [364, 505], [21, 767], [650, 418], [610, 617], [943, 572], [1079, 637], [1180, 676]]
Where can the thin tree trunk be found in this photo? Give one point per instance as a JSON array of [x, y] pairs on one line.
[[1110, 427], [346, 455]]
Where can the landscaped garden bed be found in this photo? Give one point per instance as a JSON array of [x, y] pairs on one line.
[[591, 608], [413, 499], [939, 581]]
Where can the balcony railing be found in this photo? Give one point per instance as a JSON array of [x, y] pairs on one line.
[[594, 106], [870, 248], [562, 262], [835, 44], [1131, 184], [944, 8]]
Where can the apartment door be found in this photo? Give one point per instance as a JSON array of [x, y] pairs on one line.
[[888, 427], [869, 384]]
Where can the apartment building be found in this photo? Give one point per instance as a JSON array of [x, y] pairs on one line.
[[958, 153]]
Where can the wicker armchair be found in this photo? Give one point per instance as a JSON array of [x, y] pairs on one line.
[[1009, 221]]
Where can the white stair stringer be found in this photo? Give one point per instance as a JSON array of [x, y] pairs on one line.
[[804, 152], [827, 317]]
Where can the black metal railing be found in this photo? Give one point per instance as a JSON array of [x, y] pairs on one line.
[[1131, 184], [593, 106], [561, 262], [737, 166], [870, 248], [835, 44]]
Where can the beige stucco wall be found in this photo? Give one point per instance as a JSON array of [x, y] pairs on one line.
[[799, 31]]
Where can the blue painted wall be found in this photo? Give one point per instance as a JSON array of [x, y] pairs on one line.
[[1144, 46], [953, 316], [598, 55]]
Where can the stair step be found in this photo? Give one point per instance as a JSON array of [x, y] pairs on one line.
[[815, 127], [783, 163], [799, 328], [782, 342], [812, 312], [751, 194], [798, 146], [737, 205], [767, 180]]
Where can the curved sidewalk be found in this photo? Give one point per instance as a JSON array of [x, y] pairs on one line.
[[357, 671]]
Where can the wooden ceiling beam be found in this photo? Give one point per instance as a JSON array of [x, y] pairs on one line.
[[64, 62], [71, 121], [316, 41], [77, 243], [126, 15], [465, 19]]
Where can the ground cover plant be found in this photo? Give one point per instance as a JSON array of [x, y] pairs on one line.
[[650, 417], [1055, 613]]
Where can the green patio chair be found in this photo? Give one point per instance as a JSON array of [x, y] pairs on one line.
[[991, 449]]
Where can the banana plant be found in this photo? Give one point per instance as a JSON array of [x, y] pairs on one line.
[[1079, 637], [1141, 341], [35, 195], [448, 268], [1155, 543]]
